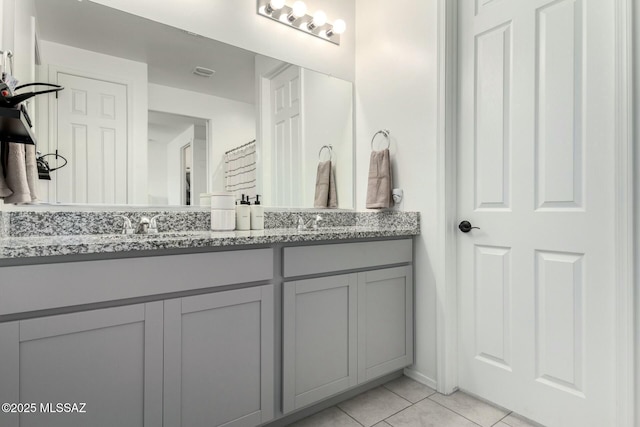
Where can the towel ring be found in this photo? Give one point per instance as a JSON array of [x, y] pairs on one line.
[[386, 134], [328, 147]]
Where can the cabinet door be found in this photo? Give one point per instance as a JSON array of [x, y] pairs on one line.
[[110, 359], [219, 359], [319, 339], [385, 321]]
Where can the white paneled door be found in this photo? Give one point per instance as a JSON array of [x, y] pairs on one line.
[[536, 174], [92, 136], [286, 137]]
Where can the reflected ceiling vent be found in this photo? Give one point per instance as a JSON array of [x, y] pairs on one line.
[[203, 72]]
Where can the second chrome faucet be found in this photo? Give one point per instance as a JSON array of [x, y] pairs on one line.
[[311, 223], [145, 225]]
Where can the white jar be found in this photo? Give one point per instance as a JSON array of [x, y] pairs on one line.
[[223, 219], [223, 211], [223, 200]]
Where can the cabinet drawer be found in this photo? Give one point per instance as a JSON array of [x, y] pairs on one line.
[[39, 287], [303, 260]]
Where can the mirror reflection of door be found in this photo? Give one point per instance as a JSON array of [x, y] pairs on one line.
[[177, 159], [92, 134], [286, 137]]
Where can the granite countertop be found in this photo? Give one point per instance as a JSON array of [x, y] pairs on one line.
[[37, 246]]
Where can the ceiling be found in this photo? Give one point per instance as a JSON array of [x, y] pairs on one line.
[[171, 53]]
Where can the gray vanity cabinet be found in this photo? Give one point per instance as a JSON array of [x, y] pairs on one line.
[[385, 321], [341, 330], [319, 339], [218, 359], [109, 359]]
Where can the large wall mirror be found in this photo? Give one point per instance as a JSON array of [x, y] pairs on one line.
[[154, 115]]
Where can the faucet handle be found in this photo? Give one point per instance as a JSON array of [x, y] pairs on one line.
[[153, 225], [127, 228]]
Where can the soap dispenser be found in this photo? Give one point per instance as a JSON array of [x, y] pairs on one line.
[[257, 215], [243, 215]]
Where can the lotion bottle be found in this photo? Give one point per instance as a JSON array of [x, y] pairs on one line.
[[257, 215], [243, 215]]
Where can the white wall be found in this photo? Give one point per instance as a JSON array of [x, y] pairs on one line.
[[396, 89], [237, 23], [175, 180], [22, 39], [109, 68], [158, 183], [328, 119], [231, 123]]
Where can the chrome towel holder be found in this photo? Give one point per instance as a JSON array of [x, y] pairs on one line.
[[386, 134], [328, 147]]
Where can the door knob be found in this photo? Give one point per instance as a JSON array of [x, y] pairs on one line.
[[465, 226]]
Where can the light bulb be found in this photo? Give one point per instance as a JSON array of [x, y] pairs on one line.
[[299, 9], [319, 19], [274, 5], [339, 26]]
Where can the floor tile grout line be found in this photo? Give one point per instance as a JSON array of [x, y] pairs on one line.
[[502, 419], [410, 402], [392, 415], [455, 412], [342, 410]]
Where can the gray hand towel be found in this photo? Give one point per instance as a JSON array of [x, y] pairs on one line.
[[21, 173], [379, 185], [326, 196]]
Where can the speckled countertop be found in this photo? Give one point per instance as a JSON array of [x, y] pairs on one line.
[[364, 227]]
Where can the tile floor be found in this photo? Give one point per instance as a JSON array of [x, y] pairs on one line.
[[407, 403]]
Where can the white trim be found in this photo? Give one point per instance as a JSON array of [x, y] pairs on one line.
[[624, 218], [446, 281], [421, 378]]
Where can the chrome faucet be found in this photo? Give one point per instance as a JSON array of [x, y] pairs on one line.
[[153, 224], [127, 228], [145, 225], [303, 226]]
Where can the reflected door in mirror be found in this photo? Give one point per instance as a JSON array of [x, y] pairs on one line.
[[92, 135], [287, 137]]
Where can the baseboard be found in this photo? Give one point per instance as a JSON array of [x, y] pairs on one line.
[[421, 378]]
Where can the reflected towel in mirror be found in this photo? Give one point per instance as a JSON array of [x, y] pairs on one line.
[[326, 195], [240, 170], [19, 173]]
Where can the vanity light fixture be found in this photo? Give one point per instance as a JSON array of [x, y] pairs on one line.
[[296, 16]]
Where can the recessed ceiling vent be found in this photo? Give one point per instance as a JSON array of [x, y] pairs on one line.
[[203, 72]]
